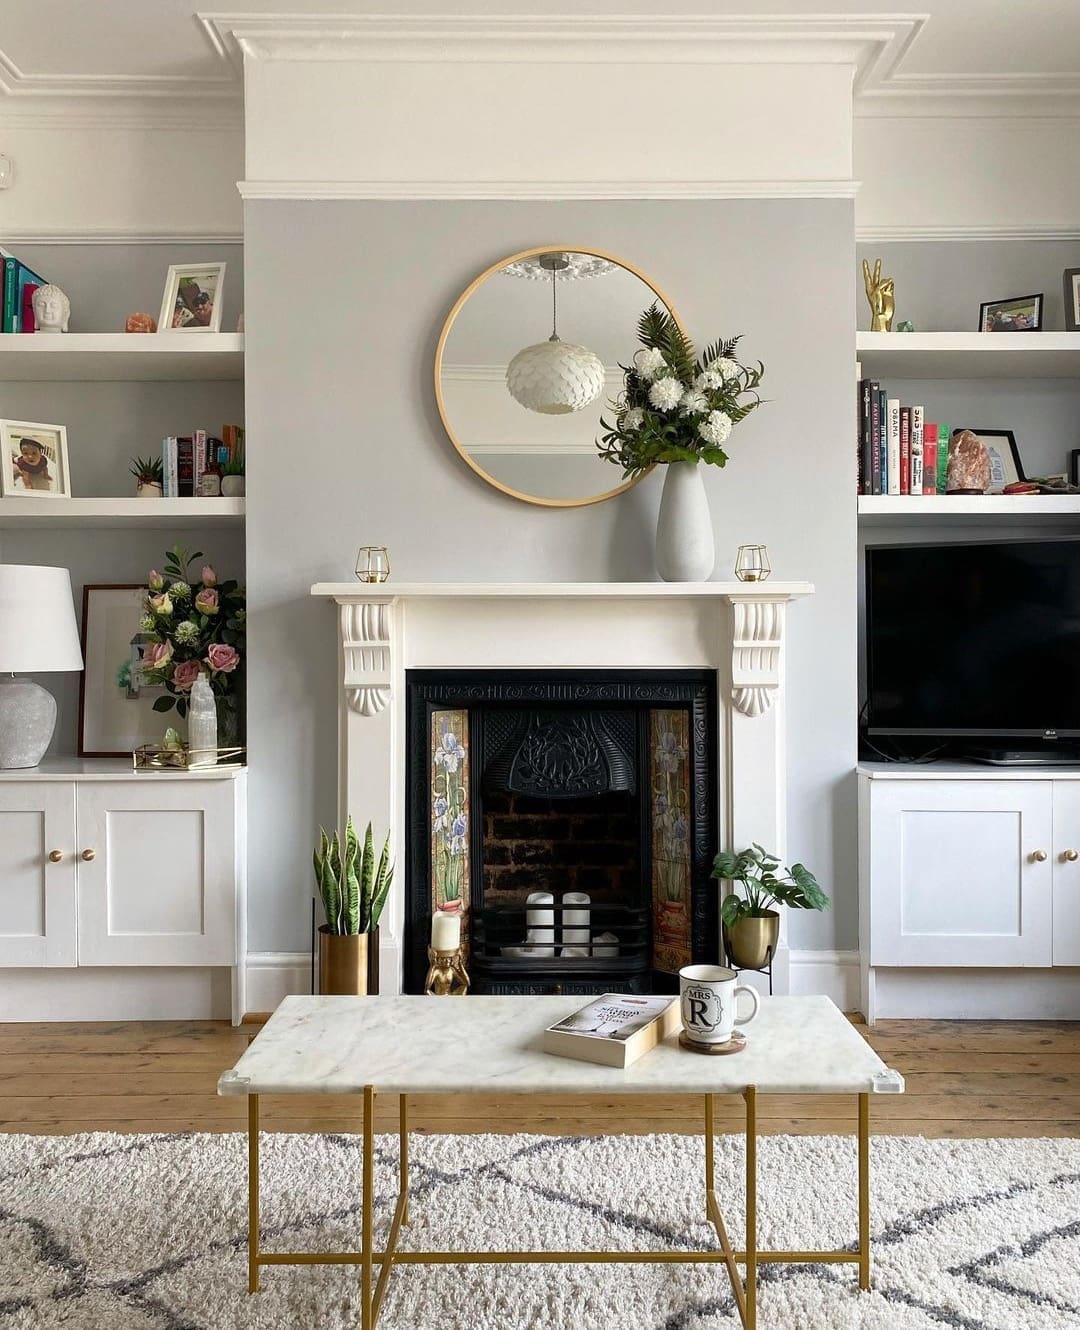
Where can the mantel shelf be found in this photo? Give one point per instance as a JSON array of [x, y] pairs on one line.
[[70, 514], [960, 355], [967, 509], [358, 591], [118, 357]]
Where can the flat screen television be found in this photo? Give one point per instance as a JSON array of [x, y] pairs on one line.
[[974, 640]]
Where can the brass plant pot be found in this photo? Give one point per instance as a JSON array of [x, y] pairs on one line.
[[348, 963], [751, 943]]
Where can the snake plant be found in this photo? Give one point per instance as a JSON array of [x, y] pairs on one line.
[[352, 887]]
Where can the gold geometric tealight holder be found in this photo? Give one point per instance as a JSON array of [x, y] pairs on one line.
[[446, 976], [373, 563], [752, 563]]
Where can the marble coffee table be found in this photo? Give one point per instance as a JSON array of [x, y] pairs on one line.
[[405, 1045]]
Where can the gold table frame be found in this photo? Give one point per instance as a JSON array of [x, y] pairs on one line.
[[372, 1290]]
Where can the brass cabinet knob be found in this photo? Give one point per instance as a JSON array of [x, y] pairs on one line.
[[1070, 856], [1038, 856], [55, 856], [89, 854]]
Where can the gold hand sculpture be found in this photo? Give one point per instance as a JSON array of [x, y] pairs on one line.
[[880, 293]]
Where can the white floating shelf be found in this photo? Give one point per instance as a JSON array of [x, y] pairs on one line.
[[121, 356], [967, 509], [172, 514], [957, 355]]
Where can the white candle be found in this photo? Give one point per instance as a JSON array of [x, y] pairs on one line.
[[445, 931], [539, 923], [575, 931]]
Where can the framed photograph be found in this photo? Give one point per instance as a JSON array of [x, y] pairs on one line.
[[1006, 467], [1074, 467], [35, 460], [1017, 314], [1071, 283], [192, 299], [116, 705]]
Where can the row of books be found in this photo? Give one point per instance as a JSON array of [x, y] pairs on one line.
[[899, 451], [20, 283], [192, 464]]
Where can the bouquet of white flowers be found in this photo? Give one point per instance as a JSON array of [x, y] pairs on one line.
[[675, 407]]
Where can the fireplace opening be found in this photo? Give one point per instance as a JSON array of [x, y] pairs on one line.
[[569, 819]]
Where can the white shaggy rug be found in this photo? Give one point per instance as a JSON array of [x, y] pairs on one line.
[[109, 1232]]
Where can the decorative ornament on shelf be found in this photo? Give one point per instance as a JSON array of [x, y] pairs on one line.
[[905, 325], [354, 891], [752, 563], [679, 410], [969, 464], [881, 294], [52, 309], [446, 976], [140, 323], [373, 563], [148, 473], [555, 377], [234, 471]]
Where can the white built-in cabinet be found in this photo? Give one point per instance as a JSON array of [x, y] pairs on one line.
[[142, 870], [968, 868]]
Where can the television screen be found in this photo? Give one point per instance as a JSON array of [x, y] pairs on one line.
[[974, 639]]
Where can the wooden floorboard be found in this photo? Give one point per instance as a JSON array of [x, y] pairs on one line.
[[964, 1079]]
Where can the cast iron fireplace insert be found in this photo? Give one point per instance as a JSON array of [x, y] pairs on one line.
[[598, 783]]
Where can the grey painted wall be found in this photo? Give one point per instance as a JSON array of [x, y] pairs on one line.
[[350, 450]]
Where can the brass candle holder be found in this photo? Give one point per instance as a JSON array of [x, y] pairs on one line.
[[373, 563], [446, 976]]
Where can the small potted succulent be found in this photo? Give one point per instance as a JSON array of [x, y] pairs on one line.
[[148, 477], [751, 928], [353, 890], [233, 483]]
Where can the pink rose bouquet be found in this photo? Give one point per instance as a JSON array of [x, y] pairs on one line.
[[194, 626]]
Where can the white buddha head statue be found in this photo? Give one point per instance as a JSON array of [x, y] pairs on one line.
[[52, 309]]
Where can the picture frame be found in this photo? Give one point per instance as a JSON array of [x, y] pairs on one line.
[[116, 709], [1071, 283], [1074, 467], [192, 299], [35, 460], [1006, 466], [1014, 314]]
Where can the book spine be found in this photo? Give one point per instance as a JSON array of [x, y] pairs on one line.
[[168, 467], [884, 416], [27, 322], [944, 434], [199, 459], [185, 466], [11, 287], [865, 473], [895, 475], [915, 433], [904, 430], [875, 439], [930, 458], [233, 438]]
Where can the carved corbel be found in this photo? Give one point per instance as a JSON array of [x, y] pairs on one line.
[[755, 654], [365, 641]]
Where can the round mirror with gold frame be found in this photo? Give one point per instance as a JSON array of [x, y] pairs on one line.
[[527, 363]]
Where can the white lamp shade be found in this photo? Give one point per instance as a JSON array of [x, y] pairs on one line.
[[38, 632], [555, 377]]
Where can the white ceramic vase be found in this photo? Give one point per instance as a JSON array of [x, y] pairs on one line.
[[685, 547], [233, 487], [148, 489]]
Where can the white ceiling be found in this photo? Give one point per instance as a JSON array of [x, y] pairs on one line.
[[57, 47]]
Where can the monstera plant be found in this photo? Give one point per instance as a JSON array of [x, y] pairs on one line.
[[751, 925]]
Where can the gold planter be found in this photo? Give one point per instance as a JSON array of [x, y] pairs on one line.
[[348, 963], [751, 943]]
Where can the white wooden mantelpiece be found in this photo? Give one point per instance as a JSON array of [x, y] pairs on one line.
[[734, 628]]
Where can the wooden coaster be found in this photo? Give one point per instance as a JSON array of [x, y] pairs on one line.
[[735, 1044]]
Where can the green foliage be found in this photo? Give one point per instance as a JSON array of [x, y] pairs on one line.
[[352, 887], [234, 465], [675, 435], [765, 884], [147, 470]]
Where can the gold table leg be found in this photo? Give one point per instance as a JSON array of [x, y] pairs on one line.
[[864, 1191], [750, 1319], [253, 1193], [367, 1310]]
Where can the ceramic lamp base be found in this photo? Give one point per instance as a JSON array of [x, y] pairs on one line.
[[27, 721]]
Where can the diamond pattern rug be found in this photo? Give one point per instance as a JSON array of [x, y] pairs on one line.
[[110, 1232]]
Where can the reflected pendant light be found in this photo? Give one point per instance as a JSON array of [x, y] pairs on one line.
[[555, 377]]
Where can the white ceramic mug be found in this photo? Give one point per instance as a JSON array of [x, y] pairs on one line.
[[708, 994]]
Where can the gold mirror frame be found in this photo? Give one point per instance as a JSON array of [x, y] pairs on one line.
[[444, 335]]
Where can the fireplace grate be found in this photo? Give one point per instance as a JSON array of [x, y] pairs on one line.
[[499, 942]]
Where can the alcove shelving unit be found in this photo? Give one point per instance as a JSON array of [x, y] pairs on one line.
[[129, 357]]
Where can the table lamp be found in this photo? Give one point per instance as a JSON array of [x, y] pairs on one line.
[[38, 634]]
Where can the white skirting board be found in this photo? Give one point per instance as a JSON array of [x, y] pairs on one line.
[[971, 995], [833, 973]]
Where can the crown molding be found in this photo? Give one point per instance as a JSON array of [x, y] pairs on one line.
[[977, 96], [405, 190], [118, 236], [885, 235], [15, 82], [180, 115]]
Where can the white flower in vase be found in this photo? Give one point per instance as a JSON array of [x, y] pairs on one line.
[[666, 393], [633, 419], [649, 362], [694, 402], [716, 427], [726, 368]]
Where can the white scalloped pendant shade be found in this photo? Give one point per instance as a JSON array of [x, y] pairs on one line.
[[555, 377]]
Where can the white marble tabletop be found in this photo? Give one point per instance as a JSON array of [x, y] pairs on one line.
[[475, 1044]]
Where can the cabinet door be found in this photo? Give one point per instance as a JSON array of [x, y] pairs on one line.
[[1067, 872], [953, 880], [37, 896], [157, 872]]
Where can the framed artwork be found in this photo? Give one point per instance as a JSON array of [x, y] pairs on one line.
[[1074, 467], [1071, 282], [1016, 314], [116, 705], [1006, 467], [192, 299], [35, 460]]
